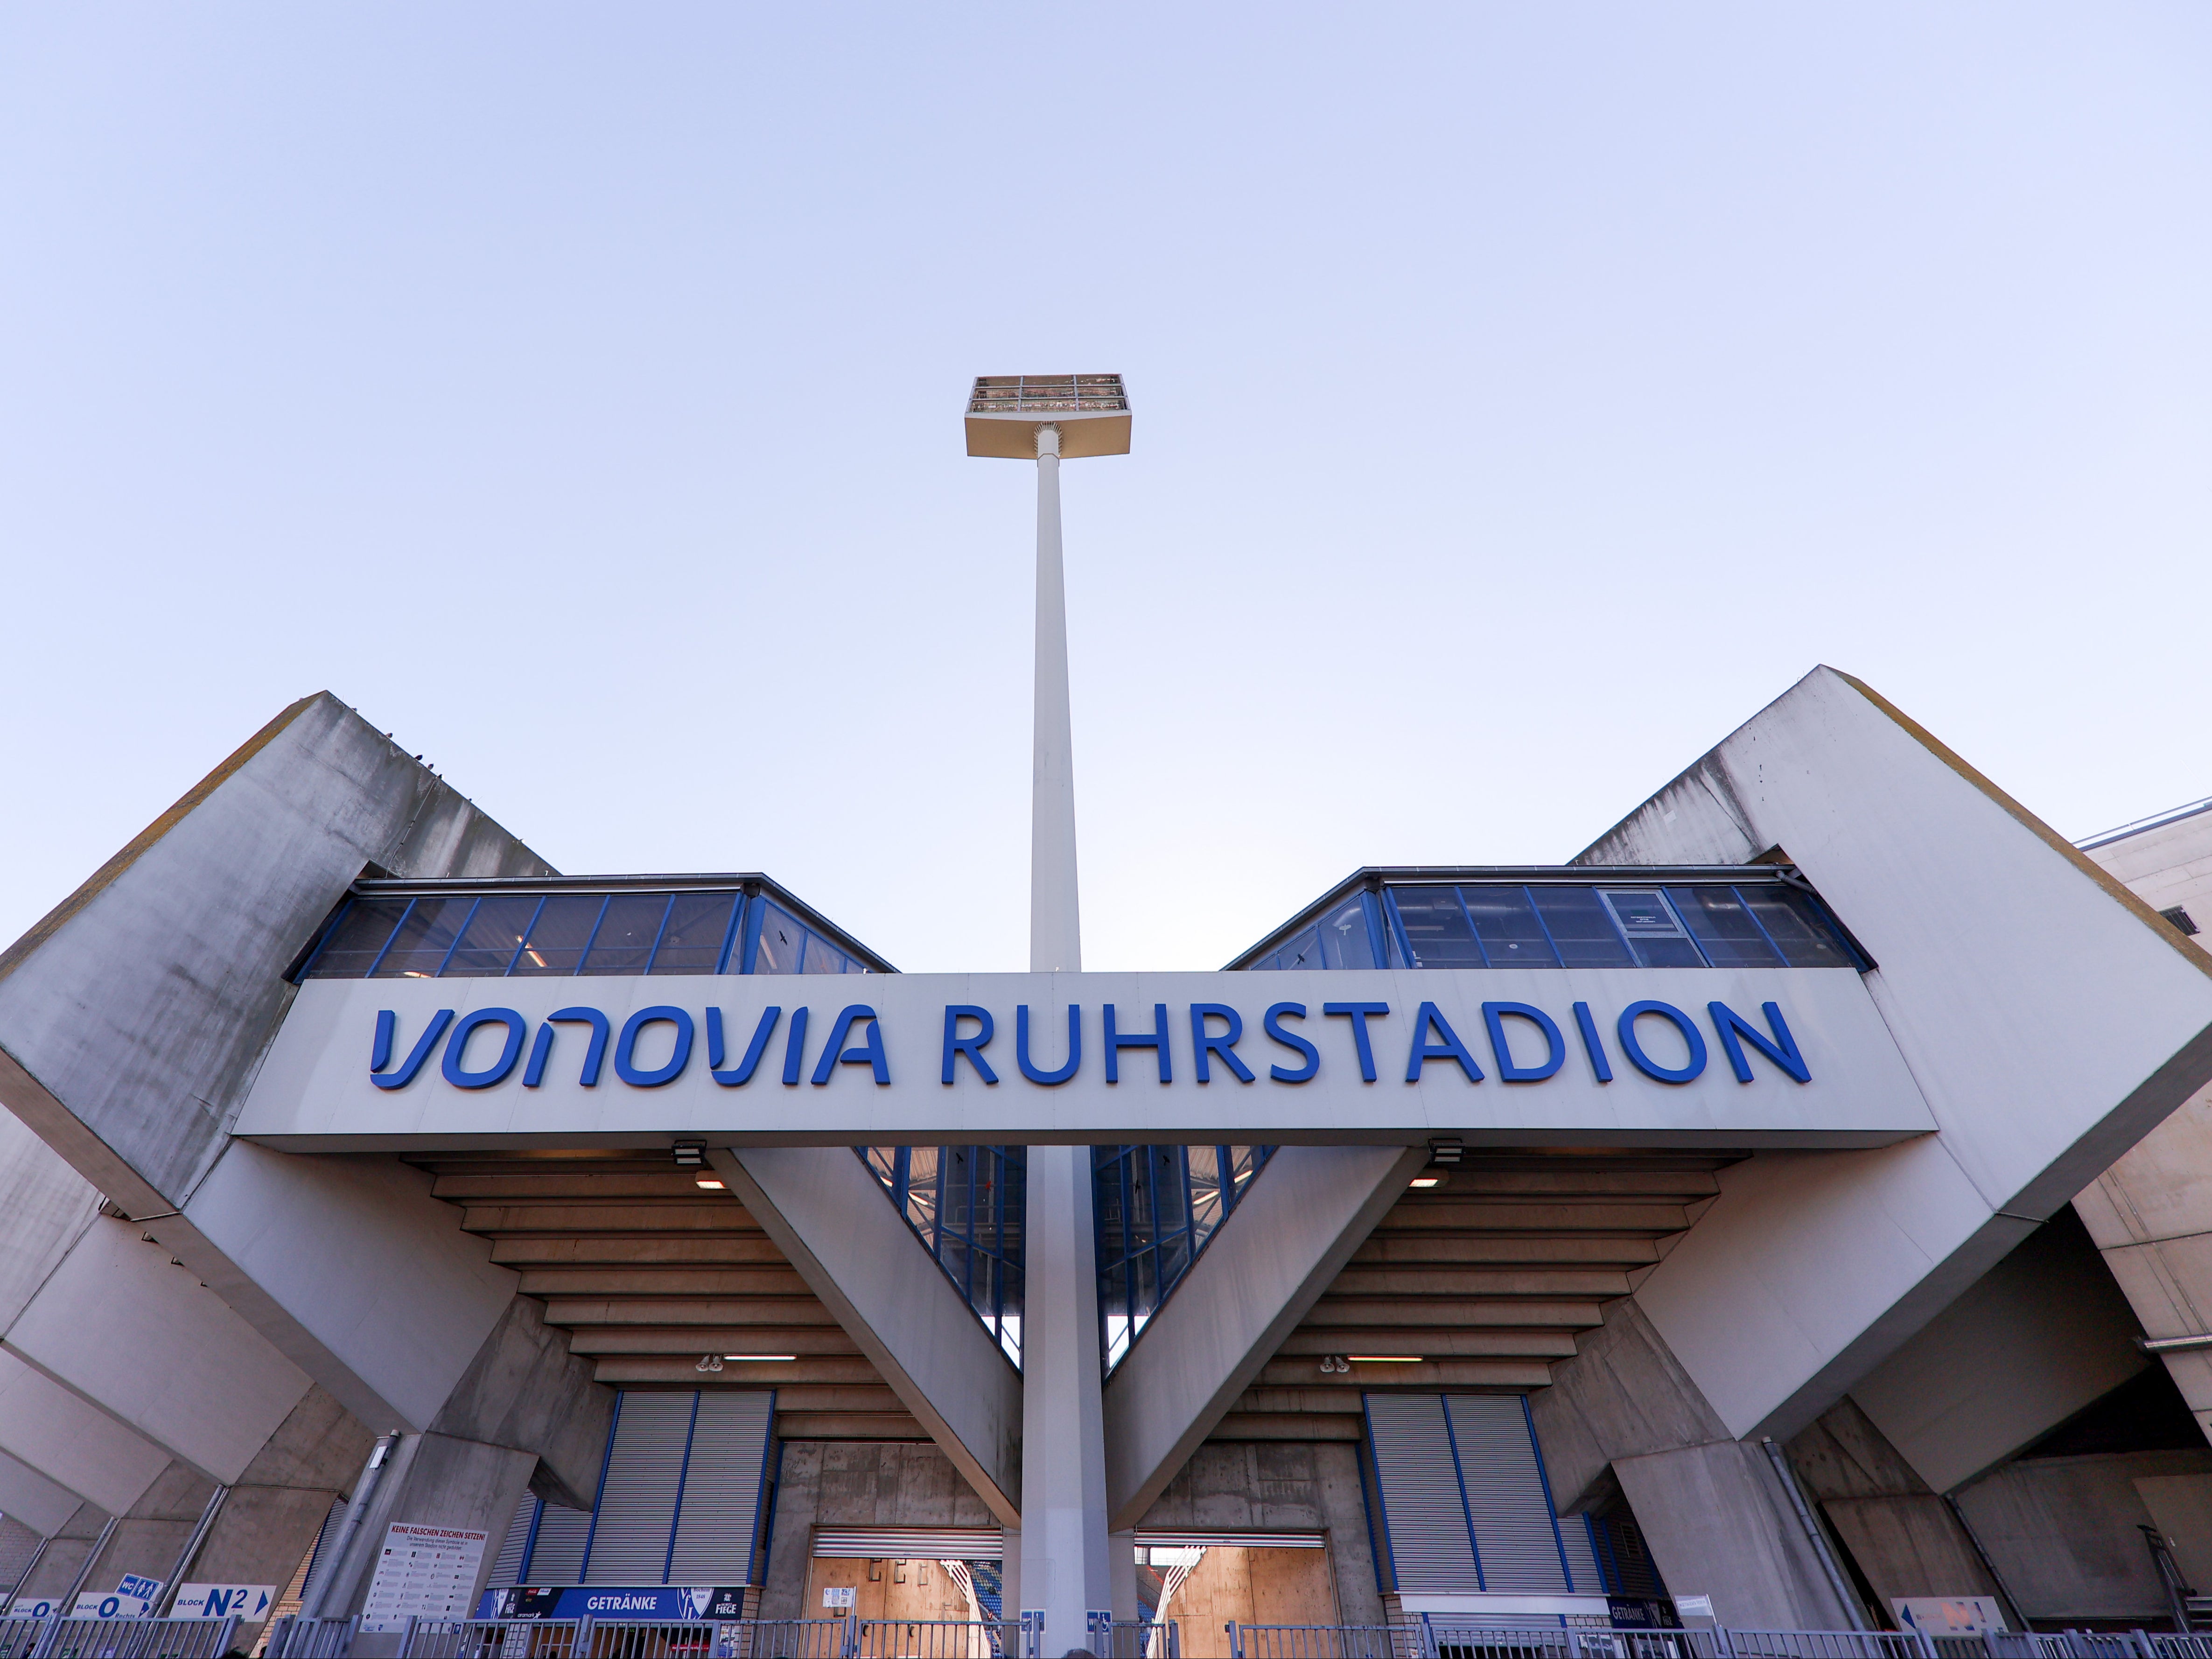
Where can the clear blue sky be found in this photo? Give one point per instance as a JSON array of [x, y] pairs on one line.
[[1524, 395]]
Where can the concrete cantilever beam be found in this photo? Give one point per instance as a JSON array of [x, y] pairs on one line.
[[1297, 1224], [827, 1213]]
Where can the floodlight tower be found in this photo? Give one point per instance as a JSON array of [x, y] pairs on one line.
[[1062, 1564]]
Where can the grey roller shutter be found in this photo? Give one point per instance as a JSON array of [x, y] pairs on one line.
[[1514, 1534], [1582, 1555], [1422, 1511], [909, 1543], [636, 1513], [558, 1556], [720, 1517], [506, 1566]]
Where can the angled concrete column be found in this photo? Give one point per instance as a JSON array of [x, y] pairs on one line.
[[1715, 1515], [72, 1442], [1067, 1561], [1810, 1269], [1297, 1224], [431, 1481], [829, 1216]]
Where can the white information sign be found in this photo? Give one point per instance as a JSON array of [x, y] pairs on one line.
[[838, 1599], [251, 1602], [1947, 1615], [131, 1598], [30, 1606], [424, 1572]]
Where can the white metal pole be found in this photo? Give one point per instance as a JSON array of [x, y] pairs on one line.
[[1065, 1565], [1055, 922]]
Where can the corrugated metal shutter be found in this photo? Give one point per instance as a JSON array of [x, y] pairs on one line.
[[558, 1555], [1422, 1511], [637, 1513], [506, 1566], [1514, 1536], [1582, 1557], [1187, 1538], [721, 1514], [910, 1543]]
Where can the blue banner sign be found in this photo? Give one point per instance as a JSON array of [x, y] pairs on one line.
[[615, 1601]]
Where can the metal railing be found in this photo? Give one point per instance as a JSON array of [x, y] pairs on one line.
[[19, 1636], [943, 1639], [1326, 1641], [1134, 1638], [783, 1638], [495, 1638], [1827, 1644], [134, 1639], [294, 1637]]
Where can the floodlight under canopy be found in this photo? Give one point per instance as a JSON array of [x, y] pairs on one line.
[[1006, 410]]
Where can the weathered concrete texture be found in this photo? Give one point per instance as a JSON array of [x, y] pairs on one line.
[[2041, 1335], [1903, 1537], [19, 1546], [1710, 1507], [2062, 1532], [147, 1540], [434, 1481], [199, 1381], [134, 1012], [66, 1551], [41, 1503], [1719, 1524], [1808, 1270], [48, 1206], [829, 1216], [1275, 1486], [1310, 1209], [72, 1442], [856, 1482], [525, 1390]]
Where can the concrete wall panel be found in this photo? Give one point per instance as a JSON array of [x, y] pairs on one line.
[[38, 1502], [72, 1442], [2042, 1334], [352, 1269], [197, 1379], [2062, 1532]]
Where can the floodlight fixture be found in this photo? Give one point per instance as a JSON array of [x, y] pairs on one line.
[[1006, 413]]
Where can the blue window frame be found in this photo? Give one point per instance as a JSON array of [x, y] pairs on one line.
[[1155, 1209], [966, 1204]]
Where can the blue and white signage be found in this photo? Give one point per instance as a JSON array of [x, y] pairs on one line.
[[251, 1602], [1742, 1057]]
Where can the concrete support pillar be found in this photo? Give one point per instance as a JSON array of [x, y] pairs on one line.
[[1716, 1517], [434, 1481], [1065, 1568]]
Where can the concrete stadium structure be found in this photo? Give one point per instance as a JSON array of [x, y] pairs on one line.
[[1790, 1214], [230, 1267]]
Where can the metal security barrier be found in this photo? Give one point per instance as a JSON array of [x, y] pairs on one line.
[[1649, 1644], [495, 1638], [652, 1639], [19, 1636], [1326, 1641], [135, 1638], [1134, 1638], [1827, 1644], [311, 1638], [1450, 1641], [782, 1638], [944, 1639]]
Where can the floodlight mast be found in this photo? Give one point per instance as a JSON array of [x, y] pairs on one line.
[[1061, 1563]]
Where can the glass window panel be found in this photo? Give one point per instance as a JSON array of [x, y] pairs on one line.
[[627, 933], [1303, 952], [557, 938], [418, 949], [1654, 932], [1343, 937], [1511, 933], [1580, 927], [783, 940], [493, 934], [1731, 939], [698, 923], [362, 932], [1798, 927], [1436, 927]]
